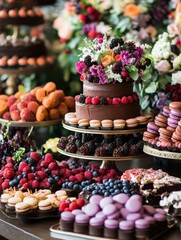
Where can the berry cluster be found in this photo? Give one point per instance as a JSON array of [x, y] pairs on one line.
[[12, 139], [112, 187], [89, 144], [174, 91], [105, 101], [32, 172], [68, 205]]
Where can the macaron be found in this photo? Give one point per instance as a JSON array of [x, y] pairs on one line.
[[96, 221], [95, 124], [109, 209], [132, 123], [175, 105], [82, 218], [141, 223], [161, 120], [101, 215], [133, 217], [91, 209], [106, 124], [83, 123], [176, 136], [31, 201], [134, 205], [68, 116], [142, 120], [119, 124], [13, 201], [165, 133], [148, 209], [159, 217], [121, 198], [45, 205], [74, 121], [126, 225], [67, 216], [172, 122], [111, 223], [148, 135], [77, 211], [124, 212], [105, 201], [95, 199], [166, 111], [152, 128], [22, 207], [115, 215]]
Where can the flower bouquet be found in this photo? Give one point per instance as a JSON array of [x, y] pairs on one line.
[[136, 20]]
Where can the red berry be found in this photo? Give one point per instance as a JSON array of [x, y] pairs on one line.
[[52, 166], [135, 97], [25, 186], [68, 173], [9, 160], [95, 100], [82, 18], [5, 184], [41, 175], [124, 100], [88, 175], [8, 173], [75, 171], [92, 34], [130, 99], [35, 156], [67, 209], [88, 100], [124, 73], [22, 181], [35, 184], [109, 100], [98, 179], [79, 177], [77, 98], [55, 172], [116, 101], [49, 158], [72, 178], [22, 165], [80, 202], [63, 205], [27, 169], [73, 205], [31, 176]]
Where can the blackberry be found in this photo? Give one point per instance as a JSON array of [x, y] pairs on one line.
[[82, 98], [125, 149], [118, 152], [101, 151], [85, 137], [114, 43], [103, 101], [111, 148], [130, 46], [71, 147], [133, 150], [87, 60], [83, 150], [106, 141], [116, 68], [90, 78], [62, 142], [121, 41], [140, 145], [119, 141], [91, 146], [71, 138], [175, 49], [95, 79], [117, 51], [78, 143], [78, 135]]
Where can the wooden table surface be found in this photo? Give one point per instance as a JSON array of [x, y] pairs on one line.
[[14, 229]]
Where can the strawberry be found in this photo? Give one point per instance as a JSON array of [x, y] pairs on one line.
[[31, 176], [95, 100], [5, 184], [52, 166], [35, 156], [22, 165], [63, 205], [27, 169], [35, 184], [116, 101], [22, 181], [48, 157], [88, 100], [79, 177], [8, 173], [73, 205], [124, 100], [80, 202], [88, 175], [25, 186], [72, 178]]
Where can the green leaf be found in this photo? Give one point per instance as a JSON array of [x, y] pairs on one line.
[[144, 102], [21, 88], [146, 77], [18, 155], [151, 87], [124, 24]]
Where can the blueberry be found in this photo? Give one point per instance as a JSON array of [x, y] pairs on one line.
[[126, 191], [106, 194], [11, 183], [111, 190], [95, 174], [110, 180], [111, 184], [24, 174], [70, 185], [51, 180], [117, 191], [15, 167], [19, 177], [94, 192], [33, 169], [47, 171], [19, 185], [76, 187], [56, 178]]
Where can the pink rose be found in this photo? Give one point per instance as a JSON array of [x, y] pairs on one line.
[[163, 66], [80, 66]]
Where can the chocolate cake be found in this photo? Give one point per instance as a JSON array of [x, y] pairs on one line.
[[105, 67], [108, 111], [21, 47]]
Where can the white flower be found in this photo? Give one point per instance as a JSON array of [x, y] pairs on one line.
[[176, 77], [64, 25], [103, 28], [118, 5], [177, 62]]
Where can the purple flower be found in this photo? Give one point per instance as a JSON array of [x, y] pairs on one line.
[[93, 70], [80, 66], [126, 58], [98, 71]]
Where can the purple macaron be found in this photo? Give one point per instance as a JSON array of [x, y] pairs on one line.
[[82, 218], [149, 209], [126, 225], [67, 216], [77, 211], [109, 209], [91, 209], [152, 128], [133, 216], [105, 201], [115, 215], [134, 204], [96, 221], [101, 215], [159, 217], [111, 223], [121, 198], [95, 199], [141, 223], [124, 212]]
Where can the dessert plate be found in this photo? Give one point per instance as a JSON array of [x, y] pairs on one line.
[[31, 124], [101, 131], [57, 233], [99, 158], [163, 154]]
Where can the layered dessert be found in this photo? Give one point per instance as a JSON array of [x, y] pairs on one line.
[[171, 203], [106, 68]]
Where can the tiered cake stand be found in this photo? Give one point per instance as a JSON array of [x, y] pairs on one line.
[[162, 154], [110, 161]]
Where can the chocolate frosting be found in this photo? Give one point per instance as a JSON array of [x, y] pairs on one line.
[[16, 21]]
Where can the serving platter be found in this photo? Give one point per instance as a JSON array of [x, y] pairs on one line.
[[162, 154], [31, 124]]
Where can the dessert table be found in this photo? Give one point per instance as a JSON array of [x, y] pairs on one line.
[[13, 229]]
